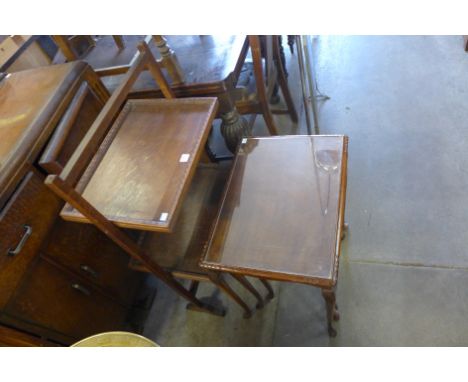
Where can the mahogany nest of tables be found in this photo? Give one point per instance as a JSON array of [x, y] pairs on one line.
[[282, 212]]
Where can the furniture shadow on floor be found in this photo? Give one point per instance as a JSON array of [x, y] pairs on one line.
[[301, 318], [171, 324]]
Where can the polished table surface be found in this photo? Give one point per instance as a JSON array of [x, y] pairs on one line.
[[26, 94], [281, 216], [29, 102], [204, 59]]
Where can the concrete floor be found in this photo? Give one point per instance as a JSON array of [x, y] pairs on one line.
[[404, 267]]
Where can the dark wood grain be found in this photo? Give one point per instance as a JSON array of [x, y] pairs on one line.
[[48, 160], [32, 205], [69, 194], [282, 215], [25, 126], [282, 212], [17, 115], [29, 303], [160, 142], [87, 252], [74, 300], [201, 59], [63, 184], [12, 337]]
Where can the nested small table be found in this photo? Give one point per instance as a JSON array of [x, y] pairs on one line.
[[282, 216]]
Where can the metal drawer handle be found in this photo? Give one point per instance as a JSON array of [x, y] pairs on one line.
[[89, 270], [81, 289], [19, 247]]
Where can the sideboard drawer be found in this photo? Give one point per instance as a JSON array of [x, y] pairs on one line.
[[24, 222], [58, 300], [86, 251]]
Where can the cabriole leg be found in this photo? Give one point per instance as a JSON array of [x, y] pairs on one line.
[[267, 285], [332, 312], [219, 281], [247, 285]]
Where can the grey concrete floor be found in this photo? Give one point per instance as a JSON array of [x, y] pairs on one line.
[[403, 102]]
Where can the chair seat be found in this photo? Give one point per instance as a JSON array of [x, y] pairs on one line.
[[181, 251], [143, 168]]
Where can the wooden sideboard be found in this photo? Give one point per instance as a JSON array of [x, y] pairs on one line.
[[59, 281]]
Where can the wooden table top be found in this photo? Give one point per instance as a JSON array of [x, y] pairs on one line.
[[203, 59], [142, 171], [282, 210], [29, 100], [23, 96]]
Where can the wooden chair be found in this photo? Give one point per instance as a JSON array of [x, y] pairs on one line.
[[219, 76], [210, 67], [113, 55], [205, 66], [269, 73], [134, 169]]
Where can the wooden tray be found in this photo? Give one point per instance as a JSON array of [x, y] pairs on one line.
[[141, 172]]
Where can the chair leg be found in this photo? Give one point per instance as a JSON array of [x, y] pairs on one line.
[[332, 309], [119, 41], [264, 102], [247, 285], [267, 285], [194, 287], [219, 281], [283, 82], [268, 116]]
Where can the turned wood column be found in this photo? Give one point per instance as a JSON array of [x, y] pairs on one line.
[[169, 60]]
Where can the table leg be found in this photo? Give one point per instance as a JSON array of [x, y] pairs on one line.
[[219, 281], [207, 306], [233, 128], [267, 285], [332, 309], [247, 285]]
